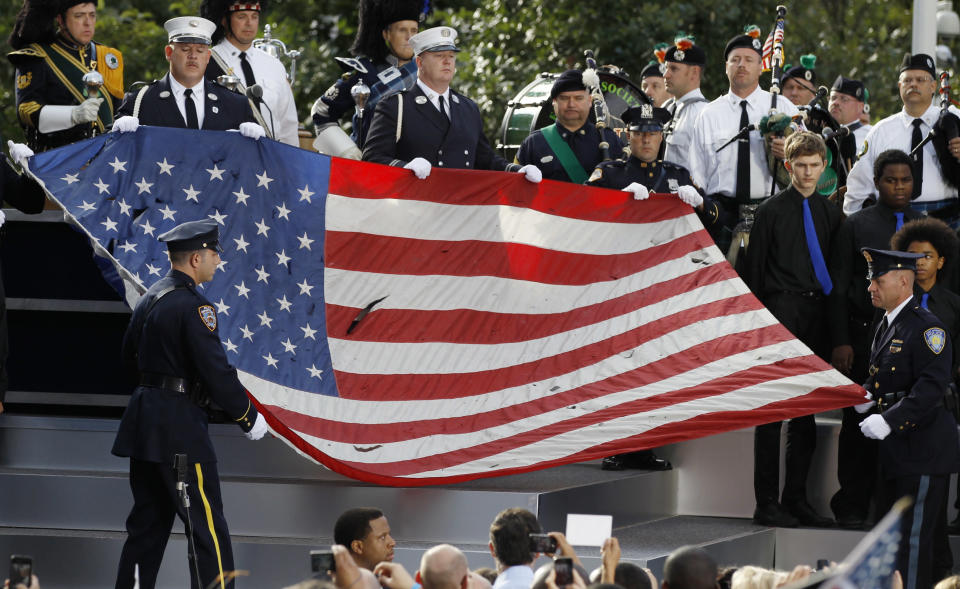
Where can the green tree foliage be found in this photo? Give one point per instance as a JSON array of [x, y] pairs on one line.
[[507, 43]]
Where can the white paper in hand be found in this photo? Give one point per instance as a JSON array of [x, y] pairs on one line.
[[588, 530]]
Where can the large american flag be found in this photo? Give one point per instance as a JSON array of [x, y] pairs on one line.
[[412, 332]]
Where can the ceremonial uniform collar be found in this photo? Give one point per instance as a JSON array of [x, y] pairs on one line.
[[432, 94], [566, 133], [642, 164], [753, 100], [231, 49], [177, 88], [892, 315], [693, 95], [181, 277], [929, 117]]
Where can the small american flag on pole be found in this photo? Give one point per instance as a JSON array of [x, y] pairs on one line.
[[412, 332]]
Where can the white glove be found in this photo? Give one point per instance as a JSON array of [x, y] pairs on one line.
[[863, 407], [421, 167], [252, 130], [639, 191], [689, 195], [532, 173], [126, 124], [875, 427], [3, 218], [19, 153], [86, 111], [259, 428]]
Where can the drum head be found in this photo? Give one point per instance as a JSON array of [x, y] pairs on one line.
[[532, 109]]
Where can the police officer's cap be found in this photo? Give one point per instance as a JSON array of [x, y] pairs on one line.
[[646, 117], [850, 87], [686, 52], [190, 29], [743, 41], [435, 39], [879, 262], [568, 81], [192, 236], [919, 61]]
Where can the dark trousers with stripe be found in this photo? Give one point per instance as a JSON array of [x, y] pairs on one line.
[[155, 503], [923, 527]]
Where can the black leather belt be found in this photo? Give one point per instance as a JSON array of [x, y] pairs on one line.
[[162, 381]]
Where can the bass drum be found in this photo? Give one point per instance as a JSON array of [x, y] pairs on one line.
[[531, 109]]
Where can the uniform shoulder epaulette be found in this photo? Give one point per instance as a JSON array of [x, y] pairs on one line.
[[32, 50]]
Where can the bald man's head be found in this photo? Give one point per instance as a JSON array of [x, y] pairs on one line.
[[444, 567]]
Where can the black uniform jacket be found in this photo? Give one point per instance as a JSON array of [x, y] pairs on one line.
[[177, 337], [914, 357], [223, 109], [584, 143], [658, 176], [456, 143]]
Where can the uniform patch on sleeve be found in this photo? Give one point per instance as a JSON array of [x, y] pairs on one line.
[[936, 339], [24, 80], [209, 316], [596, 175]]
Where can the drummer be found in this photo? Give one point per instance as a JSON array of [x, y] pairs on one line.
[[569, 149]]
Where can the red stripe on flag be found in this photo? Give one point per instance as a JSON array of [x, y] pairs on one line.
[[475, 187], [419, 257], [465, 326]]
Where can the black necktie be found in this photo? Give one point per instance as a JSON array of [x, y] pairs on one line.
[[878, 337], [743, 158], [443, 110], [191, 108], [917, 159], [248, 78]]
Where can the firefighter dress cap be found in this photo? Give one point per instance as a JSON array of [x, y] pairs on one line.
[[192, 236], [879, 262], [190, 29], [435, 39]]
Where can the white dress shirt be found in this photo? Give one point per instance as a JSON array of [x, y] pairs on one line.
[[434, 99], [277, 94], [198, 97], [515, 577], [680, 140], [859, 134], [896, 132], [716, 172]]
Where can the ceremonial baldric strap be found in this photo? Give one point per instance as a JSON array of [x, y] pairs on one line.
[[70, 71], [564, 154], [253, 105]]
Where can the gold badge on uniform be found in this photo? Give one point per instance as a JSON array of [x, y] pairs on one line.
[[24, 80], [209, 316]]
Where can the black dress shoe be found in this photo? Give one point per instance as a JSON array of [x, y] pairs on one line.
[[851, 521], [772, 514], [640, 460], [807, 516]]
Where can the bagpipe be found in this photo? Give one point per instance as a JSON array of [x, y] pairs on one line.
[[946, 128]]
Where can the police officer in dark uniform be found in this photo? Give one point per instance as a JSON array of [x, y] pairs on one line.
[[184, 98], [173, 345], [645, 172], [432, 124], [910, 365], [851, 320], [382, 64], [68, 85], [569, 149], [24, 194]]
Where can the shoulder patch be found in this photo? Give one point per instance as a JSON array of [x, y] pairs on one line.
[[24, 80], [936, 339], [596, 175], [863, 150], [208, 315]]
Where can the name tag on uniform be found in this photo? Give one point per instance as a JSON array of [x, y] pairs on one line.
[[896, 345]]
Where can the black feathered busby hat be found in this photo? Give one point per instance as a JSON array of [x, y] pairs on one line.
[[375, 16], [215, 10], [37, 21]]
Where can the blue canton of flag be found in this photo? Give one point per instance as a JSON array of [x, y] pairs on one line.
[[124, 190]]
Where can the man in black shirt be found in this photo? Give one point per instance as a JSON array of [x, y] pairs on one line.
[[852, 319], [786, 269]]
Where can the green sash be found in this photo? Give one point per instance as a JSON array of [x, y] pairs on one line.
[[571, 165], [69, 70]]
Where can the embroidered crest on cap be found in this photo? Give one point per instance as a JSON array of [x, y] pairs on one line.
[[679, 54], [646, 111], [208, 315], [756, 44], [936, 339], [808, 75], [194, 23]]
